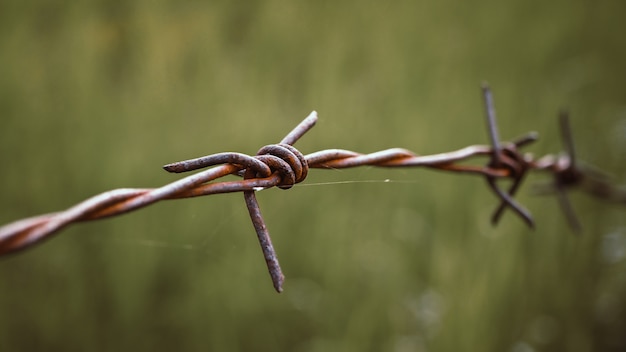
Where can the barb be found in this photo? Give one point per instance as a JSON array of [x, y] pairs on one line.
[[282, 165], [509, 158]]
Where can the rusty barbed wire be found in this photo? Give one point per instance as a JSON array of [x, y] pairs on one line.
[[282, 165]]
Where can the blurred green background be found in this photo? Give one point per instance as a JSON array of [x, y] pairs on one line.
[[97, 95]]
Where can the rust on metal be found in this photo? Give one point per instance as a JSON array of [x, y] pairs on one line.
[[282, 165]]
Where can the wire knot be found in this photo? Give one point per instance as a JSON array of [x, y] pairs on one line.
[[285, 160], [512, 160]]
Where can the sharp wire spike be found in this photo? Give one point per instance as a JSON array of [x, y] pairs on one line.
[[497, 160], [282, 165]]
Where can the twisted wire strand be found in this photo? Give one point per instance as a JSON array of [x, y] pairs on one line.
[[282, 165], [23, 233]]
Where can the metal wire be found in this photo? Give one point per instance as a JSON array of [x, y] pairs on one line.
[[282, 165]]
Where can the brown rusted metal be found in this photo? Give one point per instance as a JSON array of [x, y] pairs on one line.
[[290, 165], [282, 165], [507, 157]]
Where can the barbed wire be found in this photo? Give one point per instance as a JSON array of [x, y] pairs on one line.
[[282, 165]]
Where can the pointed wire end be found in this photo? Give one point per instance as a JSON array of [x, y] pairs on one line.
[[508, 201], [574, 224], [300, 129], [486, 89], [497, 214], [568, 210], [525, 215], [309, 121], [566, 136], [174, 167], [526, 139], [531, 224], [278, 283], [527, 218], [495, 219]]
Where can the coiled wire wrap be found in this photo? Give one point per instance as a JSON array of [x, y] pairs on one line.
[[282, 165]]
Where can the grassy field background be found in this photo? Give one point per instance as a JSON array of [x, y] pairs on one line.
[[97, 95]]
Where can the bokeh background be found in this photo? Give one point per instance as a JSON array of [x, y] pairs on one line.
[[97, 95]]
